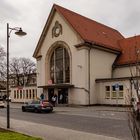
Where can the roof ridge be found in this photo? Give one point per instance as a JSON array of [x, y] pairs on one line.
[[132, 36], [55, 5], [128, 38]]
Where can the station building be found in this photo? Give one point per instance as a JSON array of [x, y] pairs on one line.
[[85, 61]]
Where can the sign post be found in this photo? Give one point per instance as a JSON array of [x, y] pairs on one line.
[[50, 82]]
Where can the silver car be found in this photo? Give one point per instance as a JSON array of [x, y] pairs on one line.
[[38, 106]]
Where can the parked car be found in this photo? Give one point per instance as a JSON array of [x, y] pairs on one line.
[[38, 106], [1, 103]]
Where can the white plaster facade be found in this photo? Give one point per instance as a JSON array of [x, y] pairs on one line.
[[86, 66], [24, 94]]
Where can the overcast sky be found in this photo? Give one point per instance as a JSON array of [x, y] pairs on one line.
[[31, 15]]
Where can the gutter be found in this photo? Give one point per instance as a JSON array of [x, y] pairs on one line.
[[89, 74], [98, 46]]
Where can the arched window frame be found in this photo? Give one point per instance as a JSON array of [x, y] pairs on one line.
[[63, 69]]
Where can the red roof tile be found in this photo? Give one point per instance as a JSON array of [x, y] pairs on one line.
[[129, 47], [90, 30], [94, 32]]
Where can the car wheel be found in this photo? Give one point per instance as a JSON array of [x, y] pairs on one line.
[[23, 109], [50, 110], [36, 110]]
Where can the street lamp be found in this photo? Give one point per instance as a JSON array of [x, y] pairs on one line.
[[18, 31]]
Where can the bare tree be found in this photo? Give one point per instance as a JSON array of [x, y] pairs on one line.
[[2, 64], [18, 69], [134, 113], [21, 67]]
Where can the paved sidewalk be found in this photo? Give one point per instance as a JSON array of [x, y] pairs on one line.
[[50, 132]]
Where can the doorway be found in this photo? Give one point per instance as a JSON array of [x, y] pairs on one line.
[[50, 94], [63, 96]]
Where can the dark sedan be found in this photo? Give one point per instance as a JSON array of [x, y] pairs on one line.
[[38, 106]]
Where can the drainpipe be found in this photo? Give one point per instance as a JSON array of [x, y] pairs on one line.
[[89, 75], [130, 91]]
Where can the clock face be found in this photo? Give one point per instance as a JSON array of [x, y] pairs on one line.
[[57, 31]]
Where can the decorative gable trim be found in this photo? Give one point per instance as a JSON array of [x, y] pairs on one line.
[[76, 28]]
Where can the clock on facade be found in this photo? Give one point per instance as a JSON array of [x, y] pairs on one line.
[[57, 29]]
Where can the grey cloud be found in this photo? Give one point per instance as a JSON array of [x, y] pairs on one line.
[[31, 15], [8, 11], [130, 21]]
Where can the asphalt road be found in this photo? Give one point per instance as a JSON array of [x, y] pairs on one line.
[[103, 126]]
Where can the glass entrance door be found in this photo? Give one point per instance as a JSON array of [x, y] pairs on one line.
[[63, 96]]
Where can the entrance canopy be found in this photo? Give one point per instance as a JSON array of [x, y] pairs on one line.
[[57, 86]]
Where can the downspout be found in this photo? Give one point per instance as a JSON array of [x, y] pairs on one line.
[[89, 75], [130, 89], [113, 68]]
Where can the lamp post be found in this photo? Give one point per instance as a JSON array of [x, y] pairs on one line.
[[18, 31]]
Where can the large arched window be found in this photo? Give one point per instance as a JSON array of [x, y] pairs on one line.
[[60, 66]]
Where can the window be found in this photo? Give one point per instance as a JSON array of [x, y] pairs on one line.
[[30, 91], [17, 94], [33, 93], [114, 93], [59, 66], [20, 94], [27, 93], [23, 94], [111, 92], [30, 96], [117, 93], [107, 92], [121, 91]]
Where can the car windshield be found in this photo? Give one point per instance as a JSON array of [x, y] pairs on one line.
[[35, 102]]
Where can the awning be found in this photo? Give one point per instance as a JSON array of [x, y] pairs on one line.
[[57, 86]]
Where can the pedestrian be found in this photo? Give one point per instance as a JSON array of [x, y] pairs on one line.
[[54, 99], [61, 98], [42, 96]]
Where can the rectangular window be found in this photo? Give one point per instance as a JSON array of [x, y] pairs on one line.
[[14, 94], [121, 91], [114, 95], [30, 96], [107, 92], [20, 95], [30, 91], [26, 93], [17, 94], [117, 93]]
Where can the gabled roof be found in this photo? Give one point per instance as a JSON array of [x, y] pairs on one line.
[[130, 50], [89, 30], [95, 33]]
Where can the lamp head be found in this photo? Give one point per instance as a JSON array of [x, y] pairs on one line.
[[20, 32]]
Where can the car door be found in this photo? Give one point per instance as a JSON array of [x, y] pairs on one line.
[[29, 106], [32, 106]]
